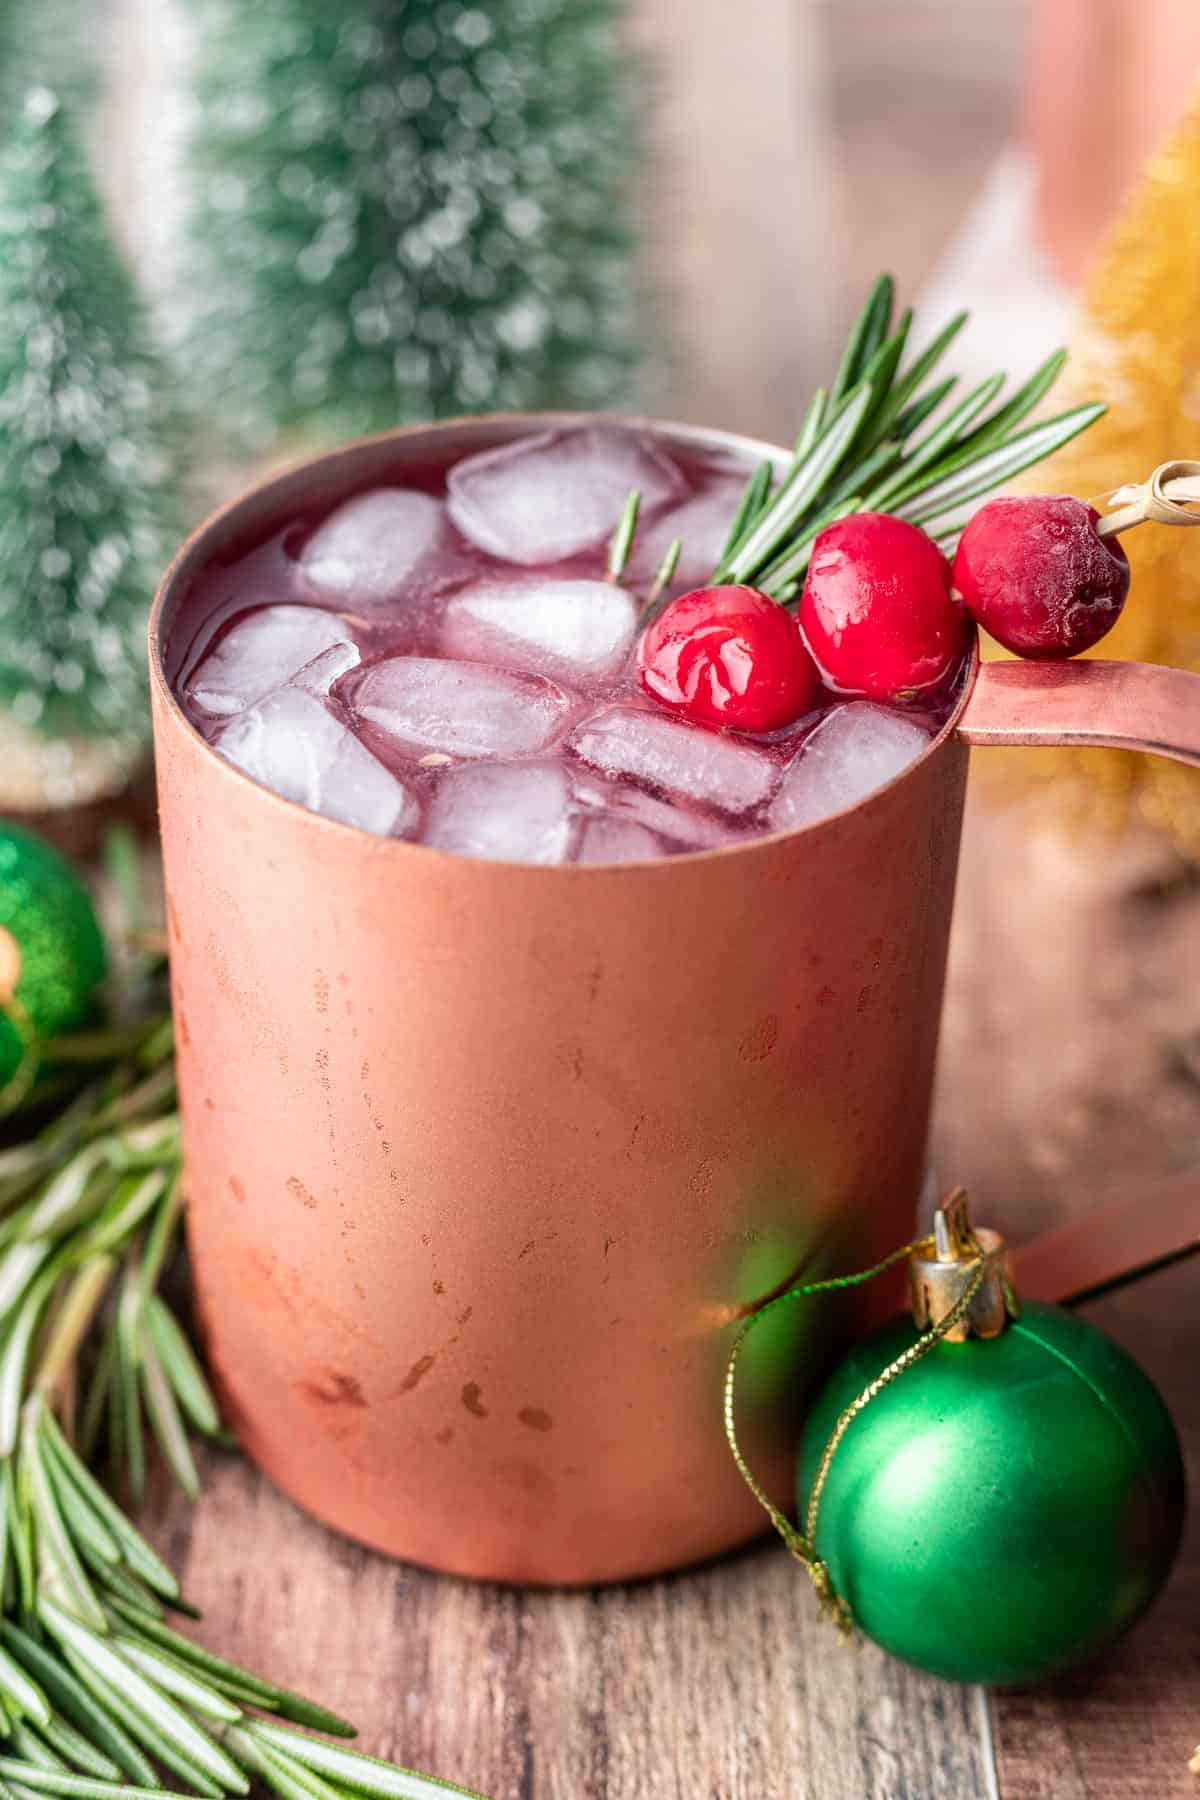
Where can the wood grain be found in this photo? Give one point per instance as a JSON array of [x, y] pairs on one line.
[[722, 1682]]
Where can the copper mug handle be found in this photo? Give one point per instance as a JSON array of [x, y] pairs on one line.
[[1128, 706], [1096, 1252]]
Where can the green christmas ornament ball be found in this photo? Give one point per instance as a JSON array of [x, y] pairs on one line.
[[1003, 1508], [50, 940]]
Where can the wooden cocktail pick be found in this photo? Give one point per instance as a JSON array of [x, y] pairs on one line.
[[1167, 498]]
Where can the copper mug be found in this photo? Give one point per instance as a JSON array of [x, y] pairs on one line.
[[484, 1161]]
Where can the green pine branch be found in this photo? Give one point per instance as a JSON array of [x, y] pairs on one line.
[[101, 1696]]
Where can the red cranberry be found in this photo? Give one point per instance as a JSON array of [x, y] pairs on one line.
[[728, 656], [1038, 578], [877, 612]]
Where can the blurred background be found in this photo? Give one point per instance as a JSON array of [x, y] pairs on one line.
[[979, 149], [799, 147], [770, 159]]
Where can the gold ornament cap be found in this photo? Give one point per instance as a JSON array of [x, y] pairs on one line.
[[10, 965], [940, 1274]]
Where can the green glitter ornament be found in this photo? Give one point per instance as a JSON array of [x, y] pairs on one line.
[[989, 1492], [52, 952]]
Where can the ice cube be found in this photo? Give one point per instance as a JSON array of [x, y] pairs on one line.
[[608, 838], [318, 676], [264, 650], [372, 545], [505, 812], [294, 745], [702, 525], [852, 752], [460, 708], [579, 630], [552, 496], [685, 761], [687, 827]]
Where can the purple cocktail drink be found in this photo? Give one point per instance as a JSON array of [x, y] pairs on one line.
[[448, 663]]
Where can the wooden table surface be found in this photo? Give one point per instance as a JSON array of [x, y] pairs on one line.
[[799, 145]]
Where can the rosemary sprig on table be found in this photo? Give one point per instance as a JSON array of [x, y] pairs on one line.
[[881, 439], [101, 1698]]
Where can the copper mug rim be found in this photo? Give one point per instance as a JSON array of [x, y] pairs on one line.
[[696, 436]]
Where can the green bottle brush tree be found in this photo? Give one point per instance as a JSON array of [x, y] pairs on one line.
[[398, 213], [88, 515]]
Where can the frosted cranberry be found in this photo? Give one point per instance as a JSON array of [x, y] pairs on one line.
[[1038, 578], [877, 611], [728, 656]]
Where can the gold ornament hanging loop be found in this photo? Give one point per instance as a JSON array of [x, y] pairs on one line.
[[20, 1082], [942, 1328], [19, 1085], [1165, 499], [980, 1262], [10, 965]]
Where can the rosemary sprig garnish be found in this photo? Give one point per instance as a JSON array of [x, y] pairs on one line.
[[665, 574], [623, 536], [881, 439], [100, 1697], [900, 454]]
